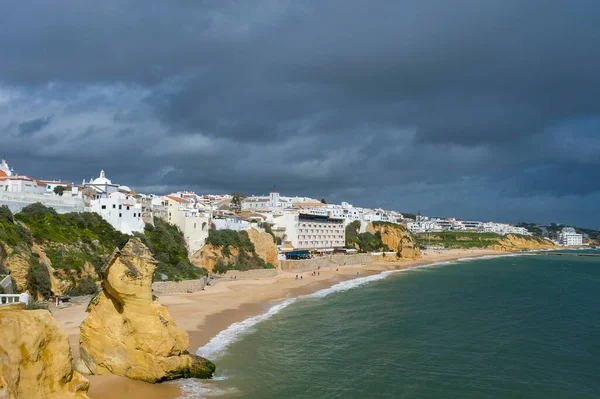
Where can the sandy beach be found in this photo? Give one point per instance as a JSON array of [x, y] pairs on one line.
[[204, 314]]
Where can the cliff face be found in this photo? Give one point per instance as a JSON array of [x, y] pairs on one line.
[[232, 250], [35, 357], [128, 332], [397, 239], [513, 242], [264, 245]]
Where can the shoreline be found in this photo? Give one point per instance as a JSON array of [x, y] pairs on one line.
[[205, 314]]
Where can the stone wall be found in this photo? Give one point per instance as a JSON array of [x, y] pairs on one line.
[[308, 265], [249, 274], [18, 201], [172, 287]]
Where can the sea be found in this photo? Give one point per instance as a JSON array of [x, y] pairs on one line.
[[524, 326]]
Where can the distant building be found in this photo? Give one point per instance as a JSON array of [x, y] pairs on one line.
[[192, 218], [569, 237], [306, 231]]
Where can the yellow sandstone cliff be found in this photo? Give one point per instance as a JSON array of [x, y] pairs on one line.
[[264, 245], [128, 332], [397, 239], [514, 242], [35, 357]]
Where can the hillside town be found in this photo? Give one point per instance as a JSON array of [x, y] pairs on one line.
[[296, 222]]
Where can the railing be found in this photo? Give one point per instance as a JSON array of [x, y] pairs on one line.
[[7, 299]]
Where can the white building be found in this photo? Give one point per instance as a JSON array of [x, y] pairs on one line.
[[122, 212], [103, 186], [192, 219], [304, 231], [569, 237]]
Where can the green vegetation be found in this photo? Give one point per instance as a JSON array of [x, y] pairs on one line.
[[452, 239], [366, 242], [532, 228], [236, 201], [12, 233], [39, 279], [59, 190], [86, 286], [390, 224], [247, 258], [46, 224], [268, 229], [167, 245], [36, 306]]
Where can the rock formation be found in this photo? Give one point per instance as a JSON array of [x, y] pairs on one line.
[[397, 238], [35, 357], [514, 242], [261, 245], [264, 245], [128, 332]]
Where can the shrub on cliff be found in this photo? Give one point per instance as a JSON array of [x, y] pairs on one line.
[[364, 242], [86, 286], [39, 279], [167, 244], [12, 233]]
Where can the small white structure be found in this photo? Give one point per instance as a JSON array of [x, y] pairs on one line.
[[8, 299], [569, 237], [121, 211], [102, 185]]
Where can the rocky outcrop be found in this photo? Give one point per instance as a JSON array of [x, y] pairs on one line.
[[128, 332], [514, 242], [35, 357], [246, 250], [209, 255], [397, 238], [264, 245]]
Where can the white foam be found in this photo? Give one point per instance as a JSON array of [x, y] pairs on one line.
[[192, 388], [219, 343]]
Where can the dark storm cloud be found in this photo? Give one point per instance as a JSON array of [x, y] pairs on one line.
[[33, 126], [478, 109]]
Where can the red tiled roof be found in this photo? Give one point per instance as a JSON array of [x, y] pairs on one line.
[[176, 199]]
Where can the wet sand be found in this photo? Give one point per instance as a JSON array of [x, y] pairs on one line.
[[204, 314]]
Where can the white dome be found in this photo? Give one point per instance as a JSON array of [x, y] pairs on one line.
[[125, 189], [102, 179]]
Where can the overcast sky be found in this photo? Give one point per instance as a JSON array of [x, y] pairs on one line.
[[485, 110]]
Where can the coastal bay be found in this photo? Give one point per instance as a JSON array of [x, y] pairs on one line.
[[226, 301]]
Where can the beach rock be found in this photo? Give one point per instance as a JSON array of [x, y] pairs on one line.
[[209, 255], [128, 332], [264, 245], [397, 238], [35, 357]]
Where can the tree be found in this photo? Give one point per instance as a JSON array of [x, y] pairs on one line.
[[236, 201], [59, 190], [323, 201]]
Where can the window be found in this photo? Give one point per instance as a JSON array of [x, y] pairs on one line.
[[114, 206], [194, 225], [134, 214], [120, 206], [120, 215], [103, 206], [127, 208]]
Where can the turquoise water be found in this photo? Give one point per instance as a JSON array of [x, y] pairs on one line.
[[511, 327]]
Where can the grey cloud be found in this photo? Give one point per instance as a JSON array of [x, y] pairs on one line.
[[33, 126], [471, 107]]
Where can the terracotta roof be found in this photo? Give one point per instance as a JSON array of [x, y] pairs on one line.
[[177, 199]]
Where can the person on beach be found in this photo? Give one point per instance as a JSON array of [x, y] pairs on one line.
[[296, 277]]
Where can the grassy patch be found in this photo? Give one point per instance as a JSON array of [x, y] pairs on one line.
[[167, 245], [453, 239]]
